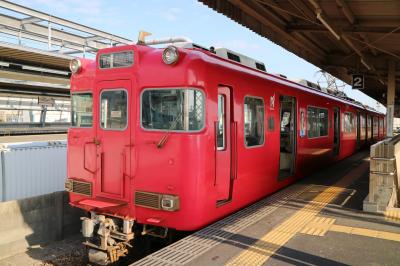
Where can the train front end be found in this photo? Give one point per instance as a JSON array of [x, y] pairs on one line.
[[137, 136], [99, 143]]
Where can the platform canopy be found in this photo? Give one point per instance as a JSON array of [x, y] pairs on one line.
[[36, 48], [342, 37]]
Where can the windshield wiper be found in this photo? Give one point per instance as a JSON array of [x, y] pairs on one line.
[[164, 138]]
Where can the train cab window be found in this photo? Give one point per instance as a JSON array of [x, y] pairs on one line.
[[172, 109], [116, 60], [221, 123], [81, 109], [253, 121], [317, 119], [114, 109]]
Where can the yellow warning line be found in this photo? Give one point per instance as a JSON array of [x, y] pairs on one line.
[[320, 225], [268, 244], [366, 232]]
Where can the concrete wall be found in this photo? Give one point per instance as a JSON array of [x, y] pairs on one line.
[[36, 221]]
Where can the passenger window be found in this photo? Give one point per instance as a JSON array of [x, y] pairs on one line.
[[348, 122], [317, 122], [81, 109], [253, 121], [302, 123], [221, 123], [323, 122], [114, 109]]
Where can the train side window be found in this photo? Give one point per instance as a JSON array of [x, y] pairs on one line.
[[323, 122], [114, 109], [221, 123], [348, 122], [375, 126], [317, 125], [253, 121], [82, 109]]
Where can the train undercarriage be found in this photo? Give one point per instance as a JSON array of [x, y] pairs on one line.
[[109, 238]]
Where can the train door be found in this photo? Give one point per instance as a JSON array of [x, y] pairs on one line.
[[113, 135], [225, 139], [336, 131], [358, 131], [287, 136]]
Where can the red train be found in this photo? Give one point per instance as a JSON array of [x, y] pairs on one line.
[[179, 137]]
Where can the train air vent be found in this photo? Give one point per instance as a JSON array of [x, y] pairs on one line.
[[79, 187], [233, 57], [260, 66], [240, 58], [148, 200]]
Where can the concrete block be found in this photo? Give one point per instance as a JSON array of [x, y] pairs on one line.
[[36, 221], [370, 206]]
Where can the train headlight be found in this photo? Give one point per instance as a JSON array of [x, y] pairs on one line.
[[75, 66], [170, 203], [170, 55], [68, 185]]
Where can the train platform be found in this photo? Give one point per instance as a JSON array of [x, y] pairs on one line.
[[317, 221], [31, 138]]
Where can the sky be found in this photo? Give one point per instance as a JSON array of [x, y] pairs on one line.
[[188, 18]]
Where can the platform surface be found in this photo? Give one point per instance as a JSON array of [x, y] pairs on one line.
[[31, 138], [317, 221]]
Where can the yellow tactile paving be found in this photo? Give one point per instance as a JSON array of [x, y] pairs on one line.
[[393, 215], [320, 225], [267, 245]]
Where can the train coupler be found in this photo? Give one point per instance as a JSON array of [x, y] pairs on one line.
[[111, 240]]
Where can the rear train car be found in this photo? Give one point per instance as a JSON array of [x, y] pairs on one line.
[[175, 138]]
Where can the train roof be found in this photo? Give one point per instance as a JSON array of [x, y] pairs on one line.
[[255, 67], [302, 84]]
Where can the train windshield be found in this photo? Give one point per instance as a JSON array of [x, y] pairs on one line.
[[172, 109], [114, 109], [81, 110]]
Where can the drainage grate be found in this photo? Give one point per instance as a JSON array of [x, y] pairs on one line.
[[187, 249]]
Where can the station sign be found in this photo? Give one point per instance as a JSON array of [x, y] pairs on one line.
[[357, 81], [46, 101]]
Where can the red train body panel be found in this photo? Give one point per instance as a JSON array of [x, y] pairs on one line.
[[210, 182]]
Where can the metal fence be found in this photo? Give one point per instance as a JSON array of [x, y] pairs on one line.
[[32, 168]]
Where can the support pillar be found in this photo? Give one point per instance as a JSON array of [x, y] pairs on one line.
[[391, 92]]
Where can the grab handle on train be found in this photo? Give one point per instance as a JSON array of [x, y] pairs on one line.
[[89, 156], [123, 162], [234, 150], [129, 158]]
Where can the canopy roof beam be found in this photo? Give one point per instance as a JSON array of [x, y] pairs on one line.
[[59, 21]]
